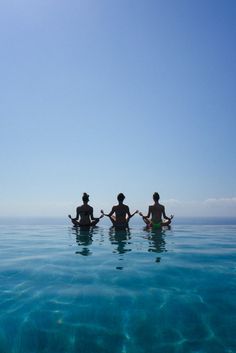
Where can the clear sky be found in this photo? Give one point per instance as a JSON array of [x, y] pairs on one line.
[[109, 96]]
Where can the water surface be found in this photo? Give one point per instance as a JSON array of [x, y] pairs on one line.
[[65, 290]]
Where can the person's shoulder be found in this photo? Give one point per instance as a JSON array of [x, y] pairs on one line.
[[114, 208], [161, 206]]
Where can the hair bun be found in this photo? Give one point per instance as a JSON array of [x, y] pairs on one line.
[[85, 196]]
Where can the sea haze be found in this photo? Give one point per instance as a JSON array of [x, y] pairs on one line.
[[135, 221]]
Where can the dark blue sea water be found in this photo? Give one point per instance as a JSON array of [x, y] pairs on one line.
[[65, 290]]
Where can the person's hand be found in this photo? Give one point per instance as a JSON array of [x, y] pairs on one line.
[[137, 211], [102, 212], [171, 216], [140, 214]]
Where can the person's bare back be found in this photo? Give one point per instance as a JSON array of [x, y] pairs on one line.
[[121, 212], [85, 212], [157, 212]]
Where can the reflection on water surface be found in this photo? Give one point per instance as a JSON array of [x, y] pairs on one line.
[[121, 240], [101, 290]]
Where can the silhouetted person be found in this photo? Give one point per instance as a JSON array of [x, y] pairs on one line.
[[84, 214], [157, 213], [120, 214]]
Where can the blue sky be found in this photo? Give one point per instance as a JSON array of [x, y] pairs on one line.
[[117, 96]]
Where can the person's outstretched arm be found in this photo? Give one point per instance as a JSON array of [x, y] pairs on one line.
[[165, 216], [95, 218], [148, 215], [108, 214], [77, 214], [76, 217], [131, 215]]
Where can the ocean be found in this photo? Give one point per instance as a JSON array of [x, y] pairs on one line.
[[68, 290]]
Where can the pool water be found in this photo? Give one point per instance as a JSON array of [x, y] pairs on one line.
[[66, 290]]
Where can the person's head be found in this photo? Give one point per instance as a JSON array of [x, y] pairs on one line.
[[85, 197], [121, 197], [156, 197]]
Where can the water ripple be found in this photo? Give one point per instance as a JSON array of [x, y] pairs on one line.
[[63, 290]]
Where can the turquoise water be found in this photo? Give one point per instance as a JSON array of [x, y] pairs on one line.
[[126, 292]]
